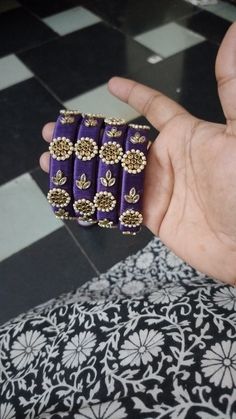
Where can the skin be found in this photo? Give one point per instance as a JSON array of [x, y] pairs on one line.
[[190, 180]]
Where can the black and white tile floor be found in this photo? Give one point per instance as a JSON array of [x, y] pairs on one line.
[[61, 53]]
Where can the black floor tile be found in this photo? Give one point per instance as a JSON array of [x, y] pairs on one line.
[[46, 8], [85, 59], [207, 24], [20, 30], [187, 77], [106, 247], [103, 246], [42, 271], [24, 108], [136, 16]]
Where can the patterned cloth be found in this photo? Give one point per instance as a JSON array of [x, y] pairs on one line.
[[151, 338]]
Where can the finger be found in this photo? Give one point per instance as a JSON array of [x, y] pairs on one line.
[[47, 131], [226, 76], [44, 161], [156, 107]]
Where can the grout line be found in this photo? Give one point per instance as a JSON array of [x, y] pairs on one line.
[[82, 250]]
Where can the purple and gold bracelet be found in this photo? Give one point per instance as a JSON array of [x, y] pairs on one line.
[[85, 167], [97, 170], [109, 170], [61, 150]]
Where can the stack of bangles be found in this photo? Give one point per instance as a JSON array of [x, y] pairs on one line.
[[97, 170]]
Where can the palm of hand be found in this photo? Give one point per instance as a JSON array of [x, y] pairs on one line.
[[190, 194]]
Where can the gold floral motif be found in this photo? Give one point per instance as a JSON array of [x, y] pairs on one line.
[[133, 161], [61, 148], [108, 180], [137, 138], [111, 152], [83, 182], [86, 148], [67, 119], [62, 214], [58, 197], [132, 197], [105, 223], [90, 122], [131, 218], [113, 133], [59, 179], [84, 206], [104, 201], [114, 121]]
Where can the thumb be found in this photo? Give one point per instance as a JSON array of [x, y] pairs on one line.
[[156, 107], [226, 76]]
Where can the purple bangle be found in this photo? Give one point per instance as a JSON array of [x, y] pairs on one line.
[[60, 194], [85, 166], [133, 164], [106, 199]]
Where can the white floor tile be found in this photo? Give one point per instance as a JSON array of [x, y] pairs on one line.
[[71, 20], [99, 100], [25, 215], [222, 9], [169, 39], [12, 71]]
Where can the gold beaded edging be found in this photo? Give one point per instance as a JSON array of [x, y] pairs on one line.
[[69, 112], [114, 121], [136, 126]]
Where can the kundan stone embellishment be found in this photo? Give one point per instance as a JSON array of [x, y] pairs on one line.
[[97, 170], [111, 152], [84, 206], [133, 161], [58, 197], [132, 197], [62, 213], [108, 180], [83, 182], [86, 148], [61, 148], [137, 138], [131, 218], [104, 201]]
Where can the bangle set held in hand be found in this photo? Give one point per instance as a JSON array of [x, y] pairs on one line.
[[97, 170]]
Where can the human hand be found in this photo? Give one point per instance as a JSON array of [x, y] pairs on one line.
[[190, 179]]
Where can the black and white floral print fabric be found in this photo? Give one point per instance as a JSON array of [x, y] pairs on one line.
[[151, 338]]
